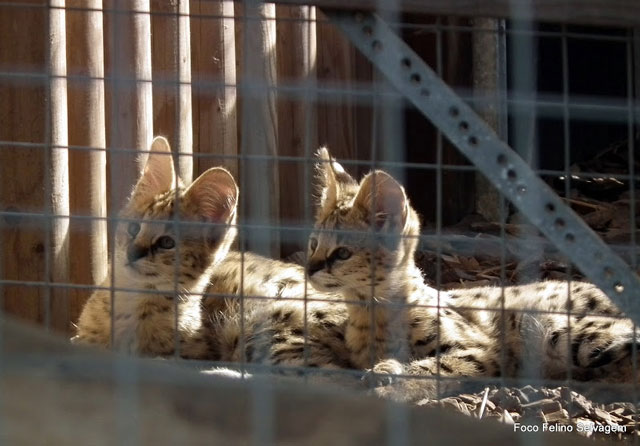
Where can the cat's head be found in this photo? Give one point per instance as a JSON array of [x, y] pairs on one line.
[[170, 233], [363, 230]]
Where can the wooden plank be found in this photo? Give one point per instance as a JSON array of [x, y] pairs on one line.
[[636, 65], [22, 168], [458, 188], [164, 68], [297, 125], [587, 12], [88, 238], [171, 64], [185, 113], [213, 40], [129, 93], [422, 137], [239, 37], [344, 122], [486, 85], [57, 189], [336, 122], [363, 117], [176, 404], [259, 179]]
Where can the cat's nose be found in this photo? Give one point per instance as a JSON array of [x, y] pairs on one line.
[[134, 252], [315, 266]]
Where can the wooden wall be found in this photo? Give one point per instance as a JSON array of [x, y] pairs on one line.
[[88, 173], [225, 81], [23, 130]]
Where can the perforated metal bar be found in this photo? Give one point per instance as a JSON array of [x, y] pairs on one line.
[[494, 158]]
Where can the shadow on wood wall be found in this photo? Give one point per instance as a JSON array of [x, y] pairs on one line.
[[226, 82]]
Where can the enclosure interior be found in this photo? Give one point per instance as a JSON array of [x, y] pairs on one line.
[[258, 88]]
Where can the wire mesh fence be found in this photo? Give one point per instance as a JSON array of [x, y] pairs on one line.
[[507, 146]]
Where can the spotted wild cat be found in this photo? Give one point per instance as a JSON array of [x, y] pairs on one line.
[[157, 260], [375, 312], [363, 247], [254, 309]]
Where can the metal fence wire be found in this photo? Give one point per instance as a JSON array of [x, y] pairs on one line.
[[512, 127]]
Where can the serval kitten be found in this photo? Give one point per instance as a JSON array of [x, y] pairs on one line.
[[263, 311], [363, 247], [232, 306], [167, 242], [268, 315]]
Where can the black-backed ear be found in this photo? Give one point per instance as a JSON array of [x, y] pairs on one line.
[[215, 196], [158, 175], [331, 175], [384, 201]]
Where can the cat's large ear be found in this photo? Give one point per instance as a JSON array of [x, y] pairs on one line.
[[214, 195], [158, 175], [331, 177], [383, 200]]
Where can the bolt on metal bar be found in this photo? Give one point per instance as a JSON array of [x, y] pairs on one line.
[[494, 158]]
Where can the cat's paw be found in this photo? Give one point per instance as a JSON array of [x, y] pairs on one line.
[[384, 373], [407, 390], [388, 379], [389, 367]]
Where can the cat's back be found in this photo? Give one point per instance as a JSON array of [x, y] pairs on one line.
[[546, 296], [255, 276], [278, 315]]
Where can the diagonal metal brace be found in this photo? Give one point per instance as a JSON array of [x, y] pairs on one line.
[[420, 85]]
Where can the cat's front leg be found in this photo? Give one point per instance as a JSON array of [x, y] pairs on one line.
[[420, 379], [94, 324]]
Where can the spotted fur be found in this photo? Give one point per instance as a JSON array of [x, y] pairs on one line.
[[231, 306], [365, 307], [262, 311], [167, 242], [363, 247]]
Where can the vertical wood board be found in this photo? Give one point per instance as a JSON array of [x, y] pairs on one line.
[[214, 85], [87, 164], [22, 168]]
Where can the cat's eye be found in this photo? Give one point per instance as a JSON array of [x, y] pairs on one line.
[[166, 242], [343, 253], [133, 228], [313, 244]]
